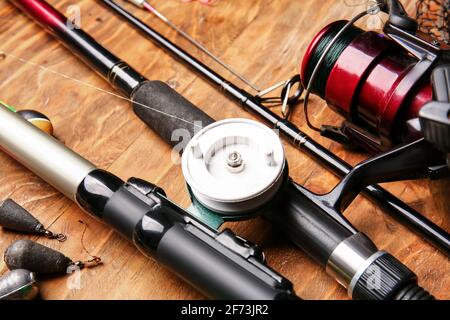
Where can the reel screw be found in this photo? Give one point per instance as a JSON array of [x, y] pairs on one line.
[[234, 159], [235, 163]]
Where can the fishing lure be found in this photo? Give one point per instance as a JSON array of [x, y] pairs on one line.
[[18, 284], [42, 260], [16, 218]]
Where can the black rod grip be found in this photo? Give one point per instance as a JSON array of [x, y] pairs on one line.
[[212, 272], [168, 113]]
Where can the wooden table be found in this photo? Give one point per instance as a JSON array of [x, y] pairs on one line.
[[263, 39]]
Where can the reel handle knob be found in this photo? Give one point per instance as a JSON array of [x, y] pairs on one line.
[[440, 80], [435, 116], [398, 16]]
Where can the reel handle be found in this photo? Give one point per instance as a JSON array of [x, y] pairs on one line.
[[168, 113], [435, 116], [440, 80], [398, 16]]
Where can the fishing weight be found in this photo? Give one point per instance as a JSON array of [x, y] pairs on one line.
[[18, 284], [15, 218], [42, 260]]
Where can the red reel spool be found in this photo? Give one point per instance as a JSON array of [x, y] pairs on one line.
[[368, 81]]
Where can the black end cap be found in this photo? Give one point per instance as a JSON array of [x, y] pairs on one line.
[[388, 279]]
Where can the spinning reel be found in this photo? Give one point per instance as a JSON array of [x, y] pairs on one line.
[[378, 82]]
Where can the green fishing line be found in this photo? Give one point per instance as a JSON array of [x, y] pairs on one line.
[[320, 83], [7, 106]]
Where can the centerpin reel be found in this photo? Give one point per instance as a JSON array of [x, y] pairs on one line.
[[232, 168]]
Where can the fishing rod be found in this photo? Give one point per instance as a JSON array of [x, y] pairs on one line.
[[221, 265], [391, 204], [147, 6], [148, 98], [255, 164]]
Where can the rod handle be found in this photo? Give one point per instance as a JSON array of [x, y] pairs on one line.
[[216, 273], [168, 113]]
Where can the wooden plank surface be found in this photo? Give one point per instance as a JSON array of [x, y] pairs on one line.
[[263, 39]]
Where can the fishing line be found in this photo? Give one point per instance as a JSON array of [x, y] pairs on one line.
[[315, 73], [144, 4], [7, 106], [94, 258], [87, 84], [341, 43], [286, 101]]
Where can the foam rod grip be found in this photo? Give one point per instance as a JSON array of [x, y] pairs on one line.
[[168, 113]]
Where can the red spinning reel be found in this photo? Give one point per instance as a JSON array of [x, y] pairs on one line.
[[378, 82]]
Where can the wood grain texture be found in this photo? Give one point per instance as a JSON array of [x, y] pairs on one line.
[[263, 39]]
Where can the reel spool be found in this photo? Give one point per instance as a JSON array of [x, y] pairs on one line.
[[371, 81], [234, 167]]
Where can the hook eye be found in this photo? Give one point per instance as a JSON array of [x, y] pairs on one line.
[[293, 99]]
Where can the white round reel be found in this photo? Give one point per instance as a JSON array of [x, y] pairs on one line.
[[234, 166]]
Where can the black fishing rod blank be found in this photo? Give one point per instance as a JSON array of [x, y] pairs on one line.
[[149, 98], [221, 265], [388, 202]]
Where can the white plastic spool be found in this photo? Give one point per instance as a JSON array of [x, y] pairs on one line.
[[234, 166]]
